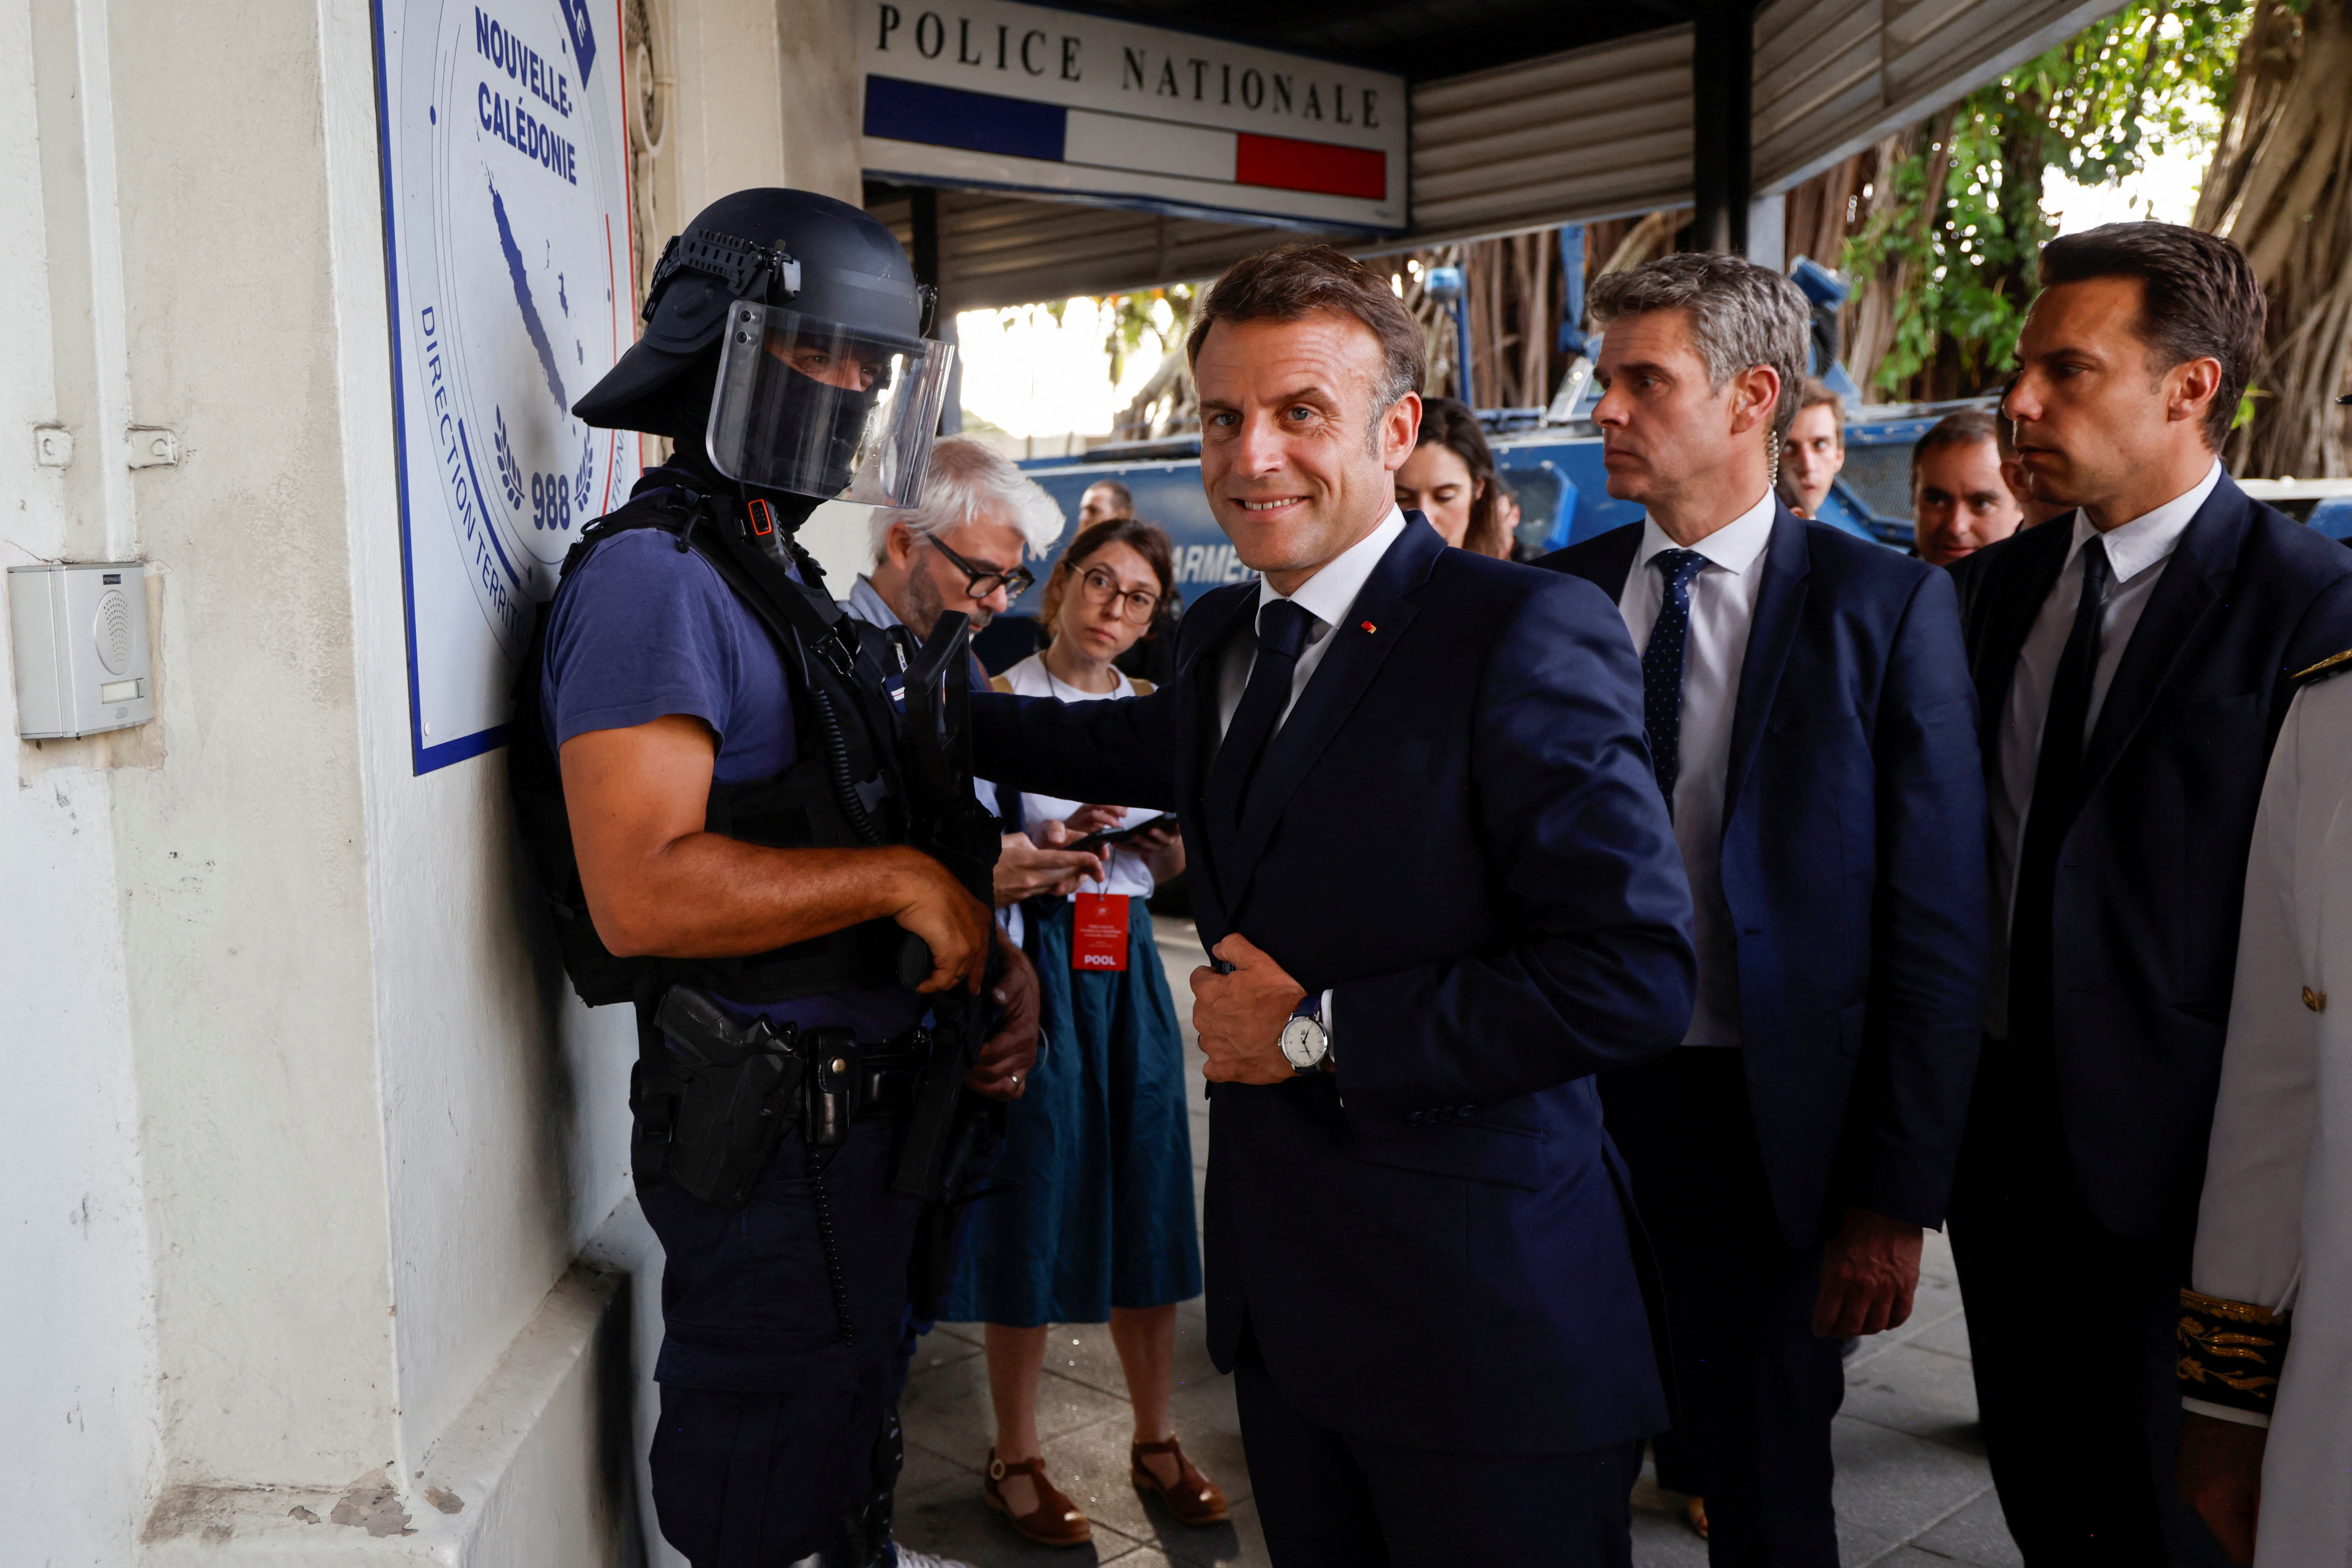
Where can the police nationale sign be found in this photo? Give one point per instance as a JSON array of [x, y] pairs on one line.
[[992, 93], [507, 222]]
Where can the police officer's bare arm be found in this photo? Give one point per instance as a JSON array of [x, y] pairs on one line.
[[658, 885]]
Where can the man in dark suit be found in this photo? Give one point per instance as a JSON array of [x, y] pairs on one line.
[[2133, 662], [1812, 724], [1443, 893]]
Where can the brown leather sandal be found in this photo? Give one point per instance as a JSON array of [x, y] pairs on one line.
[[1055, 1521], [1194, 1499]]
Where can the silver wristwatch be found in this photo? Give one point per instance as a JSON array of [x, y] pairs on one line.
[[1305, 1044]]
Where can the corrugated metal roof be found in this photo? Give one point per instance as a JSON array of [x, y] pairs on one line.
[[1593, 132], [1834, 76], [1001, 250]]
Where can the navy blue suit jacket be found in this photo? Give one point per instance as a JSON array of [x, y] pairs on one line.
[[2153, 871], [1854, 814], [1455, 830]]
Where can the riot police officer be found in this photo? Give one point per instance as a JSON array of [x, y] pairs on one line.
[[754, 821]]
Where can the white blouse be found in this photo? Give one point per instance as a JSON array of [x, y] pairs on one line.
[[1129, 871]]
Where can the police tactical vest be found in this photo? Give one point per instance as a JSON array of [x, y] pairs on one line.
[[845, 790]]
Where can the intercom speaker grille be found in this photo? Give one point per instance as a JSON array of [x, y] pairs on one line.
[[112, 631]]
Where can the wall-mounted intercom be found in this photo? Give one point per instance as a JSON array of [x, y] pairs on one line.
[[79, 630]]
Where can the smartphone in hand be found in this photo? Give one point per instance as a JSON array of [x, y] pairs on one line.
[[1095, 843]]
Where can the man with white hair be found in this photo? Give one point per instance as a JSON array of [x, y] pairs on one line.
[[961, 551], [961, 548]]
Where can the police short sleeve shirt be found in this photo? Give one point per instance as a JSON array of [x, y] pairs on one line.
[[643, 630]]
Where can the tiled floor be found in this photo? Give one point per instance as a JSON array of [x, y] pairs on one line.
[[1913, 1491]]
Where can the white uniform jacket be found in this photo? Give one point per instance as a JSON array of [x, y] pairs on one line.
[[2275, 1229]]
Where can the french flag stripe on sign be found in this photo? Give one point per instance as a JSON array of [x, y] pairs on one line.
[[1123, 142], [937, 116], [975, 121], [1280, 163]]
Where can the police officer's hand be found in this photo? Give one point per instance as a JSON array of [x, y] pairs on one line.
[[1001, 1071], [933, 905], [1023, 870]]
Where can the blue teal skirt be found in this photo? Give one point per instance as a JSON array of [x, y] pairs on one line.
[[1098, 1154]]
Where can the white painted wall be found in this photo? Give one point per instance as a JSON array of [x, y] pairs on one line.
[[243, 859], [79, 1452], [308, 1127]]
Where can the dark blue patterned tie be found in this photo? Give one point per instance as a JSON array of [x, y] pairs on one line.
[[1662, 668]]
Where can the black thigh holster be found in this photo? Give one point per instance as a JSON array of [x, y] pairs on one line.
[[710, 1112]]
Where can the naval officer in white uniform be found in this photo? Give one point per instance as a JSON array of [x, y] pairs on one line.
[[2266, 1328]]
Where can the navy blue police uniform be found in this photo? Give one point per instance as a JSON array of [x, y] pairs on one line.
[[795, 1112], [781, 1316]]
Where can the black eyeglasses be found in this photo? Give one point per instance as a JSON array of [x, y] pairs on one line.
[[1101, 588], [982, 581]]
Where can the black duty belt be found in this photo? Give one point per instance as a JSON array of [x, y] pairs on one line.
[[841, 1078]]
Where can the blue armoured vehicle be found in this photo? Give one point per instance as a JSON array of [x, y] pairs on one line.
[[1554, 470]]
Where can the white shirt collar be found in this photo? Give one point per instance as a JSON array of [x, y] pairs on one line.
[[1734, 547], [2133, 547], [1327, 594]]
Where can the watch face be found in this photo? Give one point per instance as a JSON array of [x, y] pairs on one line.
[[1303, 1044]]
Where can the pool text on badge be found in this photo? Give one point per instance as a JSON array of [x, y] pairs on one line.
[[1098, 933]]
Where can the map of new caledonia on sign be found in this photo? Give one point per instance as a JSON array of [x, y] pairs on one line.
[[985, 92], [507, 220]]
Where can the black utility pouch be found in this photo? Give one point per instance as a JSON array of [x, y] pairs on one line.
[[736, 1095]]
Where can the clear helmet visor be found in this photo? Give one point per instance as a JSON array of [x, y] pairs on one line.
[[817, 408]]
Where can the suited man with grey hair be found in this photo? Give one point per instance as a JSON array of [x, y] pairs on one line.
[[1813, 729]]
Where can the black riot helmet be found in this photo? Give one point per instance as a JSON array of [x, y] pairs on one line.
[[784, 331]]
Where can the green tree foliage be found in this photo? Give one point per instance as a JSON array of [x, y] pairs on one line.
[[1956, 234], [1161, 312]]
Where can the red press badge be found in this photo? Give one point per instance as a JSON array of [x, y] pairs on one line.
[[1098, 933]]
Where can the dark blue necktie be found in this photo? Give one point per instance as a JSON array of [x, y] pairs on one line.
[[1281, 635], [1662, 668]]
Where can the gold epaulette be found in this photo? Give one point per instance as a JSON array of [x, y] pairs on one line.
[[2232, 1351], [2333, 664]]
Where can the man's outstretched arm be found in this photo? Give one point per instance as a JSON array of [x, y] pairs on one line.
[[1121, 752]]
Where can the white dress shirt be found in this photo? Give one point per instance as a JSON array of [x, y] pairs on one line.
[[1722, 610], [1327, 598], [2137, 553]]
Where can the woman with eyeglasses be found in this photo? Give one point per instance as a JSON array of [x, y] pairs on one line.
[[1097, 1223]]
